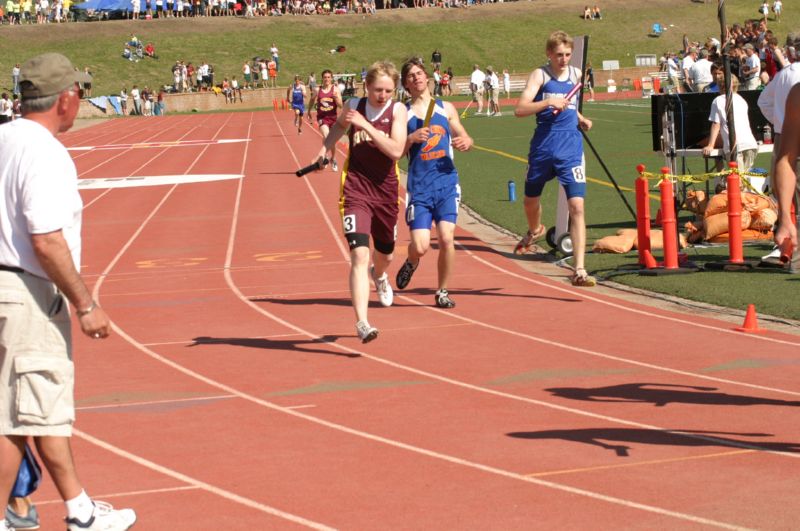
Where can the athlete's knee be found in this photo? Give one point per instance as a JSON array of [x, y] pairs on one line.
[[384, 247], [357, 240]]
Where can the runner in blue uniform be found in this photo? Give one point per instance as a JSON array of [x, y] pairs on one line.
[[297, 95], [556, 147], [433, 189]]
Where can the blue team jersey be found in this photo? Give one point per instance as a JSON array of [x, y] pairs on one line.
[[568, 118], [430, 166], [297, 97]]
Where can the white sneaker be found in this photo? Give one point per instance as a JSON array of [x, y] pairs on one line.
[[4, 526], [366, 333], [334, 166], [478, 113], [774, 256], [498, 113], [382, 286], [104, 518]]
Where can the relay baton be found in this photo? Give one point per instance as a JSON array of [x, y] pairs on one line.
[[429, 113], [574, 90], [786, 250], [311, 167]]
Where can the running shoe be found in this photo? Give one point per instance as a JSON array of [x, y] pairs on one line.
[[773, 257], [104, 518], [443, 299], [404, 274], [582, 279], [17, 522], [382, 286], [529, 239], [334, 166], [366, 333]]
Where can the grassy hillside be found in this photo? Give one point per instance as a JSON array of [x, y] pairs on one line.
[[509, 35]]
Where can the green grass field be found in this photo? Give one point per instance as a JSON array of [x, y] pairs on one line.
[[509, 35]]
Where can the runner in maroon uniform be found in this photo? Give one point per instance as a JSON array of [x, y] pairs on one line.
[[328, 102], [376, 127]]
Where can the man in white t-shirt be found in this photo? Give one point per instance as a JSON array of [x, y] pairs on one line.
[[136, 96], [701, 72], [273, 50], [746, 145], [686, 68], [6, 109], [40, 247], [15, 79], [751, 69], [476, 87]]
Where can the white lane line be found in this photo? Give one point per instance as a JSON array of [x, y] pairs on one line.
[[120, 405], [150, 180], [125, 494]]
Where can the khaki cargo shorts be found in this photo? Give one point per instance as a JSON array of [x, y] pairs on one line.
[[36, 369]]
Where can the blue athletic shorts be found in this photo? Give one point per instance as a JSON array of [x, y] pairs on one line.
[[299, 108], [556, 154], [440, 205]]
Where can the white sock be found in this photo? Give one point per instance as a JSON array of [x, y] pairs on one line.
[[80, 507]]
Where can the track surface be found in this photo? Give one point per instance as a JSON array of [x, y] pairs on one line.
[[234, 393]]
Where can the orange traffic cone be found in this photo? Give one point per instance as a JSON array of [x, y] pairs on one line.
[[750, 322], [649, 260]]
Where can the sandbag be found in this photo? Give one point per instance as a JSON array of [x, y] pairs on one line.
[[696, 201], [621, 243], [747, 235], [763, 220], [716, 205], [718, 223], [613, 244], [657, 240], [754, 202]]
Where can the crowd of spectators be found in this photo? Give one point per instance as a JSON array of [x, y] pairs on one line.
[[755, 52], [46, 11]]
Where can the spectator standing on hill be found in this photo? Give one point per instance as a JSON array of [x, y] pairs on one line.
[[436, 59], [87, 85], [764, 9], [136, 96], [137, 6], [247, 73], [6, 108], [556, 149], [506, 83], [376, 127], [123, 100], [777, 7], [751, 68], [272, 71], [274, 53], [15, 79], [39, 270], [476, 81], [433, 189]]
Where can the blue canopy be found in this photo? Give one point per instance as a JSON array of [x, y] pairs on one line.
[[104, 5]]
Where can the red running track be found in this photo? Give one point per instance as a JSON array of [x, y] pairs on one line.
[[234, 393]]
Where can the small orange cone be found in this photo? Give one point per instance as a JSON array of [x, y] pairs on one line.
[[649, 260], [750, 322]]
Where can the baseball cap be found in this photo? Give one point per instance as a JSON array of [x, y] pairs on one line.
[[748, 46], [48, 74]]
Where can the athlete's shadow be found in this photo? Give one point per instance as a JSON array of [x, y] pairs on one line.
[[318, 300], [663, 394], [491, 292], [625, 437], [300, 345]]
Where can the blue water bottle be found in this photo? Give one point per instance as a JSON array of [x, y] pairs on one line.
[[512, 191]]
